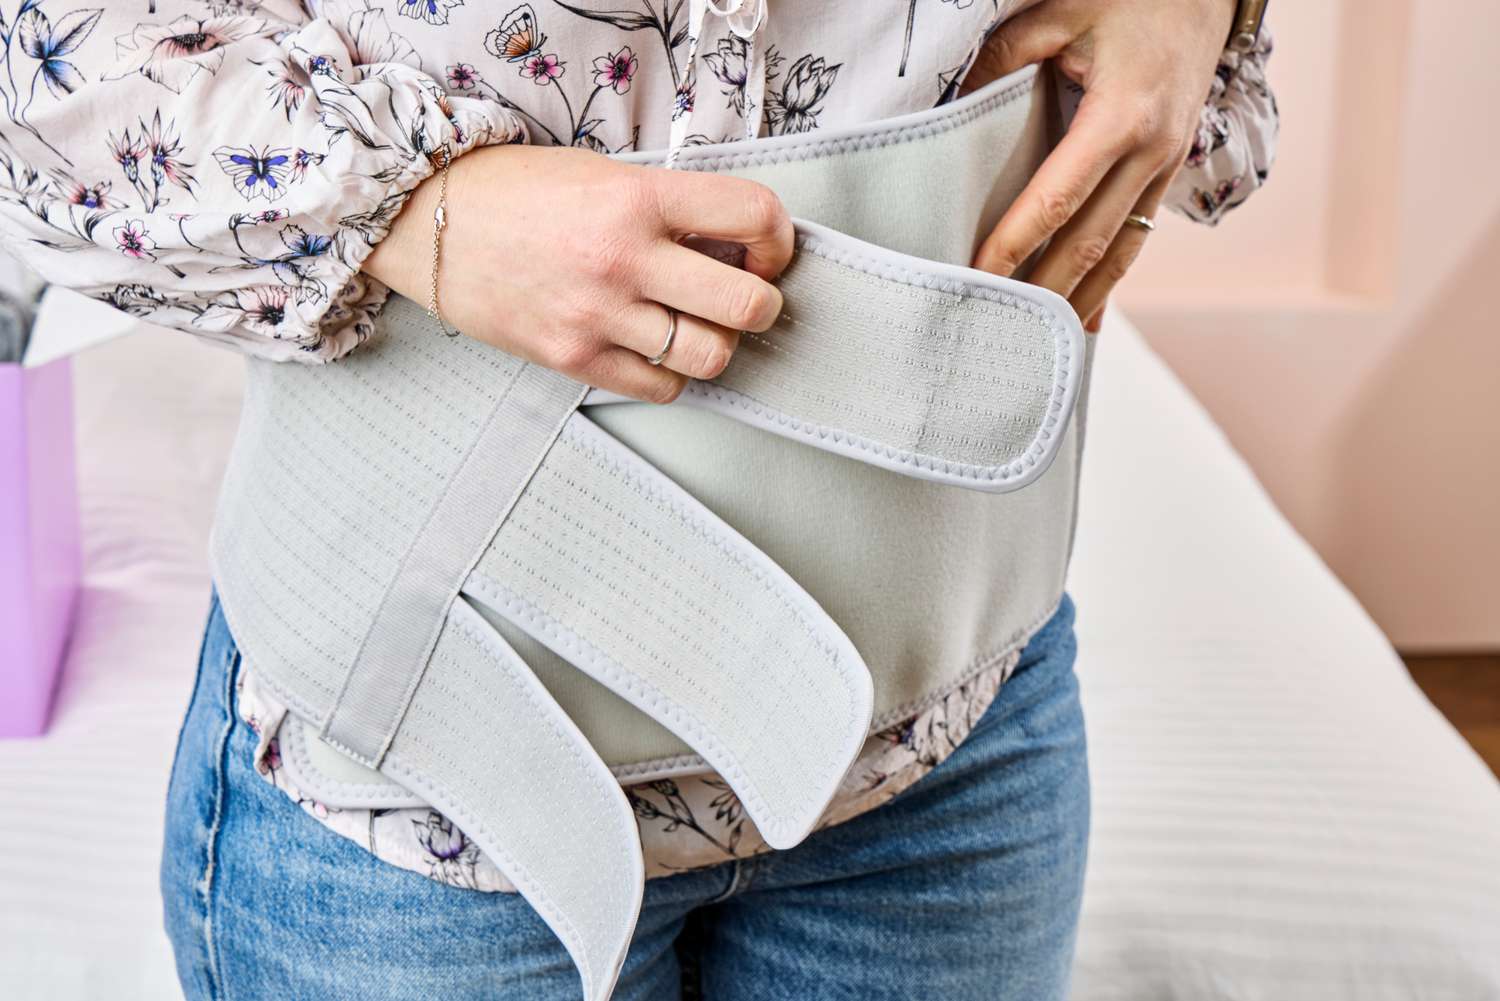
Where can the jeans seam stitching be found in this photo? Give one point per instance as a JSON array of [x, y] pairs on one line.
[[217, 988], [213, 605]]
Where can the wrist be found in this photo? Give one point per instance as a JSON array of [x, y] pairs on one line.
[[401, 260]]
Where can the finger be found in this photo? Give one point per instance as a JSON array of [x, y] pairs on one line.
[[621, 370], [712, 290], [1094, 290], [730, 208], [699, 349], [1082, 245], [1028, 37], [1095, 322], [1059, 188]]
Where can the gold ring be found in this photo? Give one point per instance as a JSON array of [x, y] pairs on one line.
[[666, 345], [1140, 222]]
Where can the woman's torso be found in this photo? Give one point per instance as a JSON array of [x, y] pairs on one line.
[[923, 577]]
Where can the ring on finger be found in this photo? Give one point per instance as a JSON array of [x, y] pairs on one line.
[[666, 345], [1142, 222]]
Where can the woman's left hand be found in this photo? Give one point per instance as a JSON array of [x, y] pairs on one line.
[[1146, 68]]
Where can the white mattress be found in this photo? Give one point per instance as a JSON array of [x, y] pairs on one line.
[[1279, 812]]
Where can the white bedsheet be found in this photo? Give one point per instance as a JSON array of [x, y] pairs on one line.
[[1279, 812]]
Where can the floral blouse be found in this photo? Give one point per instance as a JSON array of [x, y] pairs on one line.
[[685, 822], [224, 167]]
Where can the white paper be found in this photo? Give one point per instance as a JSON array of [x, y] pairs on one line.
[[67, 322]]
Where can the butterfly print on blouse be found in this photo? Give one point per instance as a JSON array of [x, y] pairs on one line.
[[431, 11], [519, 41], [517, 38], [256, 173]]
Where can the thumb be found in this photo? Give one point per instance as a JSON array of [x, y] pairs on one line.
[[1029, 37]]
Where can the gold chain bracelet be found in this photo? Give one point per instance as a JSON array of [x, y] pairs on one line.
[[439, 223]]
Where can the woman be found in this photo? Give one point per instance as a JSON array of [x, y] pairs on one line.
[[262, 174]]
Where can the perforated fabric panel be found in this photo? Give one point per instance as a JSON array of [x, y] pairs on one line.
[[997, 584], [958, 379], [333, 472], [617, 569], [512, 439], [563, 831]]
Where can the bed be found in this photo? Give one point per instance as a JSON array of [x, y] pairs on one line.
[[1279, 812]]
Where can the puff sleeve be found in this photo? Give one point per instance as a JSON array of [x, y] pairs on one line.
[[1234, 146], [1236, 140], [220, 171]]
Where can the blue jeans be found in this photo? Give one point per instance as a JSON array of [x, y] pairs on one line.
[[964, 887]]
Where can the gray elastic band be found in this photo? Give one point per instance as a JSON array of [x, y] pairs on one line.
[[380, 683]]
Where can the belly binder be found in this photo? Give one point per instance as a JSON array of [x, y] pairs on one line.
[[417, 544]]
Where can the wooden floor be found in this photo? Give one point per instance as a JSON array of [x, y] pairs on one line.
[[1467, 690]]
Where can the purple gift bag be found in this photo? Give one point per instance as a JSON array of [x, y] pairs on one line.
[[39, 545]]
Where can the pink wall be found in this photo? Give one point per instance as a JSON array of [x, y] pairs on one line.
[[1342, 325]]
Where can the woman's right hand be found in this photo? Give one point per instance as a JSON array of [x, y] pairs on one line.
[[569, 259]]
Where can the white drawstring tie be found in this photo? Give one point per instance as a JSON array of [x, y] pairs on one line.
[[745, 19]]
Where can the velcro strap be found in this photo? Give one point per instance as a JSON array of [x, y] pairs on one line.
[[514, 435], [560, 827], [621, 572], [940, 372]]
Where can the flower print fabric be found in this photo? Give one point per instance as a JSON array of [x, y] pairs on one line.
[[1235, 142], [685, 823], [221, 168], [1236, 139], [615, 70], [224, 166]]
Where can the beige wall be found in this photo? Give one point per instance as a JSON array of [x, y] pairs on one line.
[[1344, 326]]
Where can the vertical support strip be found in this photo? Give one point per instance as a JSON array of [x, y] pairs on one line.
[[394, 653]]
